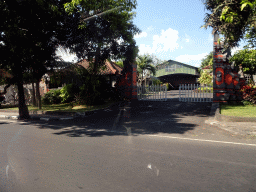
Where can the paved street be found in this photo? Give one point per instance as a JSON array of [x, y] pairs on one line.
[[168, 149]]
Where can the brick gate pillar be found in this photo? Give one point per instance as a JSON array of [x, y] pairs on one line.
[[130, 88]]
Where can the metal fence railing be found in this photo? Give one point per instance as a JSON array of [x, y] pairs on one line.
[[195, 93], [153, 92]]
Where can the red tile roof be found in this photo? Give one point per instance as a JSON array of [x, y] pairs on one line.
[[111, 67], [3, 73]]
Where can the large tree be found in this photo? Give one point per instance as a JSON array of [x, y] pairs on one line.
[[30, 31], [28, 38], [107, 35], [232, 18]]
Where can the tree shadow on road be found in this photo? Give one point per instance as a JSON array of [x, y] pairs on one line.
[[147, 117]]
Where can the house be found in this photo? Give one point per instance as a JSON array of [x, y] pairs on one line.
[[5, 74], [176, 73], [111, 70]]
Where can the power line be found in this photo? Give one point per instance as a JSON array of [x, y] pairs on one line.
[[103, 13]]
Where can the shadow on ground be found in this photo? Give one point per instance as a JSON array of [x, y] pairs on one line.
[[143, 117]]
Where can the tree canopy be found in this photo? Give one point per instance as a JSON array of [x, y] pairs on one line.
[[233, 19], [31, 31], [144, 63], [247, 59], [105, 36]]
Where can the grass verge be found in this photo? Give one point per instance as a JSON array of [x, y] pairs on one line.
[[238, 110], [66, 107]]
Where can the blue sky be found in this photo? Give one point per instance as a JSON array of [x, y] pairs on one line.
[[171, 30]]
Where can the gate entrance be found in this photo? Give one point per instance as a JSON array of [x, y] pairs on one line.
[[152, 93], [195, 93]]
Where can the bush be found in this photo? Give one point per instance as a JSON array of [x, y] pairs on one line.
[[156, 82], [204, 90], [249, 94], [68, 92], [52, 97], [93, 91]]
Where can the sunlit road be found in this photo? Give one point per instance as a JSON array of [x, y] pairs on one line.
[[35, 159]]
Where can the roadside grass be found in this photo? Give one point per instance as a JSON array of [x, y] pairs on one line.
[[238, 110], [66, 107]]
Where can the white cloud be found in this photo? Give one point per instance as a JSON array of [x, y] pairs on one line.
[[210, 38], [194, 60], [187, 38], [120, 41], [166, 41], [163, 43], [233, 51], [144, 49], [181, 47], [142, 34]]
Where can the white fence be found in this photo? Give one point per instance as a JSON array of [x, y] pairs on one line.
[[153, 92], [195, 93]]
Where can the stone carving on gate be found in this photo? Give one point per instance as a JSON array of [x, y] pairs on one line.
[[227, 80]]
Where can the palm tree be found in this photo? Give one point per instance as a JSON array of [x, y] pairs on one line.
[[144, 63]]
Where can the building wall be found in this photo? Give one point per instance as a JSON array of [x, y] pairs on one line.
[[176, 79], [173, 67]]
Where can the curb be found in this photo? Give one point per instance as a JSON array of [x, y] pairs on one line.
[[37, 118], [227, 122], [225, 118], [73, 114]]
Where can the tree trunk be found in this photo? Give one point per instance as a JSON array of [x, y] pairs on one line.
[[96, 62], [38, 96], [33, 95], [23, 109], [143, 88]]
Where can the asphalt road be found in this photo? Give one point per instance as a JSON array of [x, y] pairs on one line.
[[55, 156]]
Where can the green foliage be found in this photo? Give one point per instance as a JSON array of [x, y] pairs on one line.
[[167, 86], [113, 23], [52, 97], [231, 18], [68, 93], [120, 63], [204, 90], [246, 58], [249, 94], [94, 90], [144, 63], [156, 82], [205, 78], [208, 60]]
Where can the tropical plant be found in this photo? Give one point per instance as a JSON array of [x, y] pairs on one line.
[[68, 93], [156, 82], [205, 79], [52, 97], [143, 65], [207, 61], [249, 94]]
